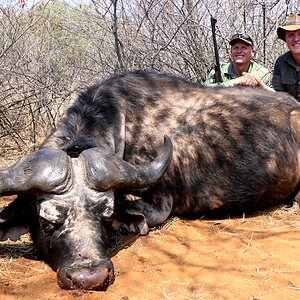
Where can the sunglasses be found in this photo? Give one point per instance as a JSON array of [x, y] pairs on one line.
[[243, 36]]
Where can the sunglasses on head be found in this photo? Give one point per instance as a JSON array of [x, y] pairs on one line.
[[244, 36]]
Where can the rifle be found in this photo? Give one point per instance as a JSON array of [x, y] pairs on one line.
[[218, 75]]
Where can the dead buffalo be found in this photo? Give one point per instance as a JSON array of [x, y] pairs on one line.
[[107, 165]]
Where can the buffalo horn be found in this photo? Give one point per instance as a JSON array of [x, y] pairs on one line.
[[108, 171], [42, 170]]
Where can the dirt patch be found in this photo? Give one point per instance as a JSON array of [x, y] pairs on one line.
[[256, 257]]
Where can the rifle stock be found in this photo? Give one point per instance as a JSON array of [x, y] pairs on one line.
[[218, 75]]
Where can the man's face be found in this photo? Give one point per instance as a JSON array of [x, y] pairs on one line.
[[241, 52], [292, 39]]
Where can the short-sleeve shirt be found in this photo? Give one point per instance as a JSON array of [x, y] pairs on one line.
[[228, 73], [286, 75]]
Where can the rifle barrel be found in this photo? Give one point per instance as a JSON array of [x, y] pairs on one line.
[[218, 75]]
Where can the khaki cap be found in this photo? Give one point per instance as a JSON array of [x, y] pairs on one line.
[[292, 23]]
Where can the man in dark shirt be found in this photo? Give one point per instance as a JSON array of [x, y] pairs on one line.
[[286, 75]]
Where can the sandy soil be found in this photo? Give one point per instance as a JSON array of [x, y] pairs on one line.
[[256, 257]]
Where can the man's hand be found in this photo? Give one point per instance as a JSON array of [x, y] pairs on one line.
[[252, 80], [247, 79]]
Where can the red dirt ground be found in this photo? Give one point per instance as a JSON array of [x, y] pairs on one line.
[[256, 257]]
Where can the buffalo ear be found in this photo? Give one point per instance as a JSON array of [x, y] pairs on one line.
[[130, 219], [131, 222]]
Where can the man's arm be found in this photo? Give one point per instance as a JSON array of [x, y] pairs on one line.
[[246, 79], [259, 82]]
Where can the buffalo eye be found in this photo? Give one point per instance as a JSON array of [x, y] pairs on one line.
[[106, 206], [48, 226]]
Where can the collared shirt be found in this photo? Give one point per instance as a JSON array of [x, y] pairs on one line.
[[286, 75], [228, 73]]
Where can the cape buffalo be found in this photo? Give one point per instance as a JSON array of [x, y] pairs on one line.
[[138, 147]]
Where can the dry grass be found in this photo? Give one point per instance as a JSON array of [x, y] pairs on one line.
[[175, 237], [19, 258]]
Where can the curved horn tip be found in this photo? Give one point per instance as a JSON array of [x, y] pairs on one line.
[[168, 142], [168, 148]]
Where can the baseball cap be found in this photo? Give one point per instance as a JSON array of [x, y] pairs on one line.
[[242, 37], [292, 23]]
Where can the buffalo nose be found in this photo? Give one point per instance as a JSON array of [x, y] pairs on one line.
[[97, 278]]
